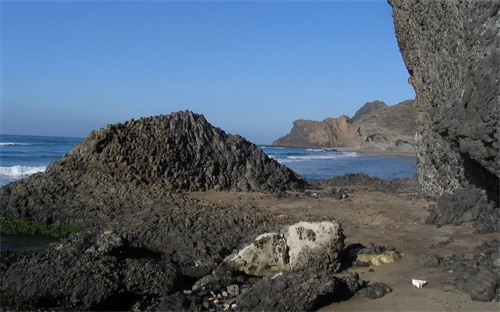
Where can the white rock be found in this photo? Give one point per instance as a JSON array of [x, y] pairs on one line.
[[418, 283]]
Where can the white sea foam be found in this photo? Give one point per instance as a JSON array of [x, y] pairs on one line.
[[304, 158], [13, 144], [20, 171], [314, 150], [319, 157]]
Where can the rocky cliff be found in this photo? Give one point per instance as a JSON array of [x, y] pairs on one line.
[[375, 126], [451, 50]]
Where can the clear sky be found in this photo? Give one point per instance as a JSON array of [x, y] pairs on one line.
[[251, 67]]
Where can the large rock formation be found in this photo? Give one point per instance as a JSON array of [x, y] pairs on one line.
[[451, 50], [375, 126], [139, 162]]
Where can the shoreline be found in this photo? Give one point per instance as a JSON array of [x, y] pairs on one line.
[[375, 152]]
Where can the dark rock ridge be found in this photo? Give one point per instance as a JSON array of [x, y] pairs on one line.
[[139, 162], [451, 51], [375, 126]]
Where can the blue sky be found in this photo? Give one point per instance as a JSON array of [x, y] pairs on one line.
[[251, 67]]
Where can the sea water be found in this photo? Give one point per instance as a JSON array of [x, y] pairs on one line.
[[321, 164], [21, 156]]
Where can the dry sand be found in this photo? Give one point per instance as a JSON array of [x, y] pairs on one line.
[[397, 220]]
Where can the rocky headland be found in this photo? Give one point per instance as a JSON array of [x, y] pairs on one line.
[[375, 127], [174, 214]]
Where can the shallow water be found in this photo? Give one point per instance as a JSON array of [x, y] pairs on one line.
[[321, 164], [25, 242]]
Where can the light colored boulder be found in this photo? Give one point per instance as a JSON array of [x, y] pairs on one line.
[[266, 254], [314, 244], [299, 246]]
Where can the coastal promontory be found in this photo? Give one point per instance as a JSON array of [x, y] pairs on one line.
[[375, 127]]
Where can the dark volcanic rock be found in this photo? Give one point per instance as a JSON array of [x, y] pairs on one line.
[[298, 291], [76, 275], [139, 162], [143, 255], [478, 275], [451, 50], [375, 291]]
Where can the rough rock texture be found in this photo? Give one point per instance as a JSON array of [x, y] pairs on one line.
[[375, 291], [138, 162], [451, 50], [83, 275], [375, 126], [478, 275], [135, 258], [302, 245], [298, 291]]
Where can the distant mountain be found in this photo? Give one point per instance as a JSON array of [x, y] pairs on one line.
[[375, 126]]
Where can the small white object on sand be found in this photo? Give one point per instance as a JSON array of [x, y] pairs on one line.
[[418, 283]]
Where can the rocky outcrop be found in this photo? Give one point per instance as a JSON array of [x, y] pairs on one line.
[[375, 126], [139, 255], [327, 133], [137, 163], [451, 50]]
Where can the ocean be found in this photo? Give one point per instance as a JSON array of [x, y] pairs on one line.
[[21, 156], [321, 164], [24, 155]]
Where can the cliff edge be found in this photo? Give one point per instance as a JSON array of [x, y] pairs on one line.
[[451, 51]]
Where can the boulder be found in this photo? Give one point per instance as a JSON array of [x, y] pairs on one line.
[[301, 290], [302, 245]]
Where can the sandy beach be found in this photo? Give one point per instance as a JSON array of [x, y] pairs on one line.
[[398, 220]]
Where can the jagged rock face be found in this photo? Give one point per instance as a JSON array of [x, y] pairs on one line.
[[183, 151], [451, 50], [137, 163], [375, 126]]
